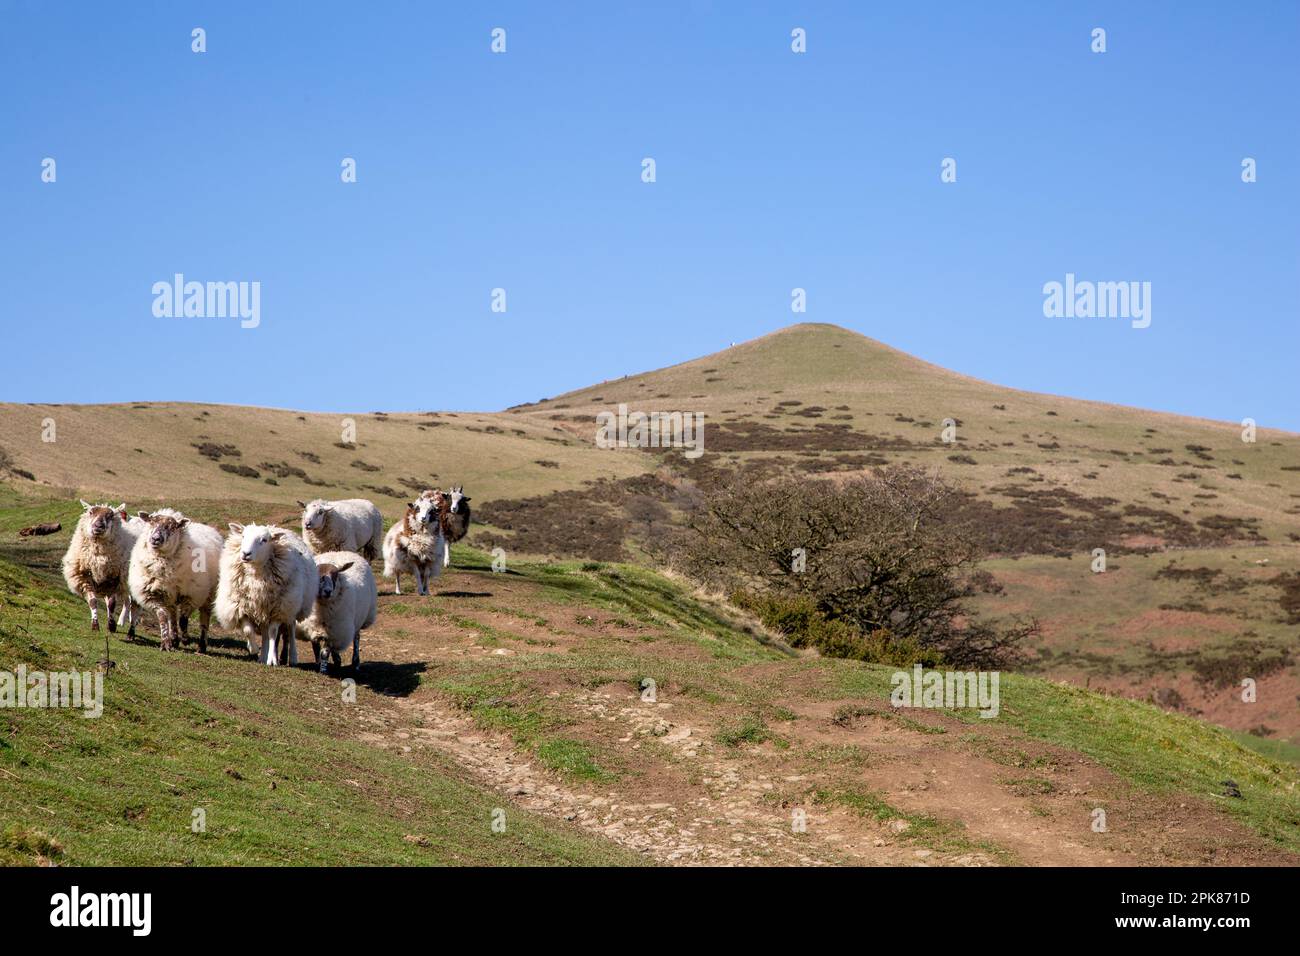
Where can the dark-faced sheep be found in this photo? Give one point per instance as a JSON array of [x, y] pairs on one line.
[[346, 603]]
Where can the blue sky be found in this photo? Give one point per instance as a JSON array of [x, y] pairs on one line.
[[523, 171]]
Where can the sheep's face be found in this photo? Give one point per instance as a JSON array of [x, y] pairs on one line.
[[328, 583], [255, 542], [458, 498], [100, 519], [165, 532], [313, 517], [426, 512]]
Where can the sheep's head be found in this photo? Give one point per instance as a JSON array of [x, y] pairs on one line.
[[100, 519], [164, 531], [329, 579], [458, 497], [426, 511], [314, 513], [255, 541]]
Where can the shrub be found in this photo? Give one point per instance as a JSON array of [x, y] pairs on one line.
[[886, 566]]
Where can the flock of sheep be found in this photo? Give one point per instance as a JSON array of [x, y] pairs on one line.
[[260, 580]]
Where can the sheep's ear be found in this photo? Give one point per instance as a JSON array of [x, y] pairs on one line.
[[276, 536], [85, 504], [183, 522], [326, 507], [340, 570], [236, 527], [302, 504], [122, 507], [143, 514]]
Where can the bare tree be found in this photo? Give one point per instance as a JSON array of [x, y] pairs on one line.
[[884, 554]]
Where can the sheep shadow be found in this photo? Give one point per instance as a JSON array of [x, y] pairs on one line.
[[464, 594], [385, 677]]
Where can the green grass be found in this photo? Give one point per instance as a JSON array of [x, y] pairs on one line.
[[922, 829], [1159, 752], [268, 756], [498, 702], [1280, 750]]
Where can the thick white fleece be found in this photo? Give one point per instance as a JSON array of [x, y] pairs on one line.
[[281, 590], [351, 608], [353, 524], [183, 577]]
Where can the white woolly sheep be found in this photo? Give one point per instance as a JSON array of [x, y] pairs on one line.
[[346, 602], [415, 545], [353, 524], [173, 572], [97, 558], [268, 585]]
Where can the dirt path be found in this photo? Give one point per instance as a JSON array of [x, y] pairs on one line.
[[863, 789]]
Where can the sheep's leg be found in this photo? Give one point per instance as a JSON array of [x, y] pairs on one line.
[[270, 652], [165, 628], [334, 655], [185, 627], [205, 618], [94, 609], [132, 612], [322, 663], [397, 583], [446, 552], [110, 606], [249, 633], [293, 643], [356, 652]]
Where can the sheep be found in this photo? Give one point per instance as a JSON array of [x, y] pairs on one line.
[[353, 524], [268, 584], [97, 558], [346, 602], [415, 545], [173, 572], [454, 518], [135, 526]]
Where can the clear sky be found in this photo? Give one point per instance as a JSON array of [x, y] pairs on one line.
[[522, 171]]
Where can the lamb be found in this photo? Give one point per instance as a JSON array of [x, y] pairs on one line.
[[415, 545], [346, 602], [97, 558], [268, 584], [353, 524], [173, 572]]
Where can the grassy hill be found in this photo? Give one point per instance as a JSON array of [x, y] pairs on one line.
[[1201, 589], [522, 691]]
